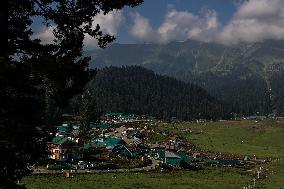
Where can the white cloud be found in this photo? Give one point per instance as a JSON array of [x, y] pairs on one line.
[[255, 20], [141, 28], [45, 34], [177, 25], [206, 27], [109, 24]]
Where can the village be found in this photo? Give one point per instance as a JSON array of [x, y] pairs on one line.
[[127, 142]]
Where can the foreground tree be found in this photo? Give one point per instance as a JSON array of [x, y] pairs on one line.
[[36, 79]]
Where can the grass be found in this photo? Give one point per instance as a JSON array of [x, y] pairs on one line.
[[275, 176], [211, 178], [263, 139]]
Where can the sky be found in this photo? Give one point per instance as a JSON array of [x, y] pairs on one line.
[[161, 21]]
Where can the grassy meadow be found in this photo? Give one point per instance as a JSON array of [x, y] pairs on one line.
[[263, 139], [211, 178]]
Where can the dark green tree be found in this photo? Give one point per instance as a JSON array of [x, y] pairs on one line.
[[133, 89], [37, 80]]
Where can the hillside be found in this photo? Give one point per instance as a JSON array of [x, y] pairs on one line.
[[138, 90], [246, 76]]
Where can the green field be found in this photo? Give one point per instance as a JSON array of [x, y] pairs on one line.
[[264, 139], [213, 178], [275, 178]]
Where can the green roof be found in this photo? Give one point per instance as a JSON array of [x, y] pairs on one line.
[[161, 154], [174, 158], [38, 129], [100, 125], [229, 162], [107, 142], [63, 129], [86, 146], [113, 141], [59, 139], [185, 157], [93, 145], [211, 161]]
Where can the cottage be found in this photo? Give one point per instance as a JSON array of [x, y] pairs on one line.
[[172, 159], [168, 158], [112, 142], [109, 142], [64, 148], [178, 159], [122, 150]]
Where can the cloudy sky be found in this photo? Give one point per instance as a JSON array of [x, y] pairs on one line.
[[160, 21]]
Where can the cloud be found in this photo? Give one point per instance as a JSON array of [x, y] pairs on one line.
[[109, 23], [45, 34], [238, 3], [206, 27], [141, 29], [177, 25], [255, 20]]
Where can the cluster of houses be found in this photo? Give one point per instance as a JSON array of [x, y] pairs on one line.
[[67, 146], [117, 135]]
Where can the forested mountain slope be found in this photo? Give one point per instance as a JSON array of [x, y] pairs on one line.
[[134, 89], [247, 76]]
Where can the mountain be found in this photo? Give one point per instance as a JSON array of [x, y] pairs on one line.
[[134, 89], [247, 76]]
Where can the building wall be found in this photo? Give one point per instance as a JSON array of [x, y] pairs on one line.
[[65, 151], [173, 161]]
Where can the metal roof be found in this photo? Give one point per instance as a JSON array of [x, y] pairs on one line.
[[60, 140], [171, 155]]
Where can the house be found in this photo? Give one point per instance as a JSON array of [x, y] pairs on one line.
[[64, 148], [172, 159], [93, 145], [113, 141], [122, 150], [64, 129], [168, 157], [100, 125], [177, 159], [229, 162], [109, 142]]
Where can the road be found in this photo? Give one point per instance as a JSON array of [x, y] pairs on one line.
[[147, 168]]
